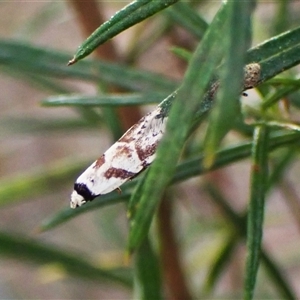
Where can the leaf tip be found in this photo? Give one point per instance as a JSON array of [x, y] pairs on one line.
[[127, 257], [72, 61], [37, 230], [129, 214], [209, 160]]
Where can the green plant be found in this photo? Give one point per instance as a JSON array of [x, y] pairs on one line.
[[206, 99]]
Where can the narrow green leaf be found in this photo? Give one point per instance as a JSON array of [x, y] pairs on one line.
[[182, 53], [68, 213], [259, 176], [106, 30], [144, 40], [113, 122], [220, 262], [194, 167], [231, 80], [186, 16], [11, 125], [186, 170], [147, 280], [91, 115], [136, 196], [278, 278], [276, 54], [282, 61], [284, 81], [41, 19], [29, 250], [223, 204], [282, 19], [281, 166], [38, 182], [279, 94], [104, 100], [130, 15], [25, 58], [274, 45], [36, 80], [193, 88]]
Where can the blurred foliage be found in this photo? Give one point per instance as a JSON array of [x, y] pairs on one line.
[[195, 143]]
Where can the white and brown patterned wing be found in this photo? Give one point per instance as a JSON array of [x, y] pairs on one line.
[[132, 153]]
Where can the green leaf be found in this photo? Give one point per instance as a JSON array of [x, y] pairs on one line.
[[38, 182], [259, 176], [104, 100], [182, 53], [239, 223], [186, 16], [188, 169], [184, 171], [282, 19], [91, 115], [284, 81], [280, 94], [278, 278], [220, 262], [147, 279], [130, 15], [68, 213], [282, 164], [29, 250], [163, 168], [36, 80], [112, 120], [136, 196], [274, 56], [274, 45], [28, 59], [11, 125], [143, 40], [223, 204], [284, 60], [231, 80]]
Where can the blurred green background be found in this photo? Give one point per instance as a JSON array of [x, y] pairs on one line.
[[44, 149]]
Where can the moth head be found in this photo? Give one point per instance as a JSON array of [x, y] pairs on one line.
[[81, 195], [76, 200]]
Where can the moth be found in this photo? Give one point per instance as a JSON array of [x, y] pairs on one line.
[[135, 150], [125, 159]]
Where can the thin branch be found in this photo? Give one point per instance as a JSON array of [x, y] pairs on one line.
[[172, 269]]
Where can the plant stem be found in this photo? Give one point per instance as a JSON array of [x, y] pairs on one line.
[[172, 269]]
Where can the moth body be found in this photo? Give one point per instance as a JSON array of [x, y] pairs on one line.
[[131, 154]]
